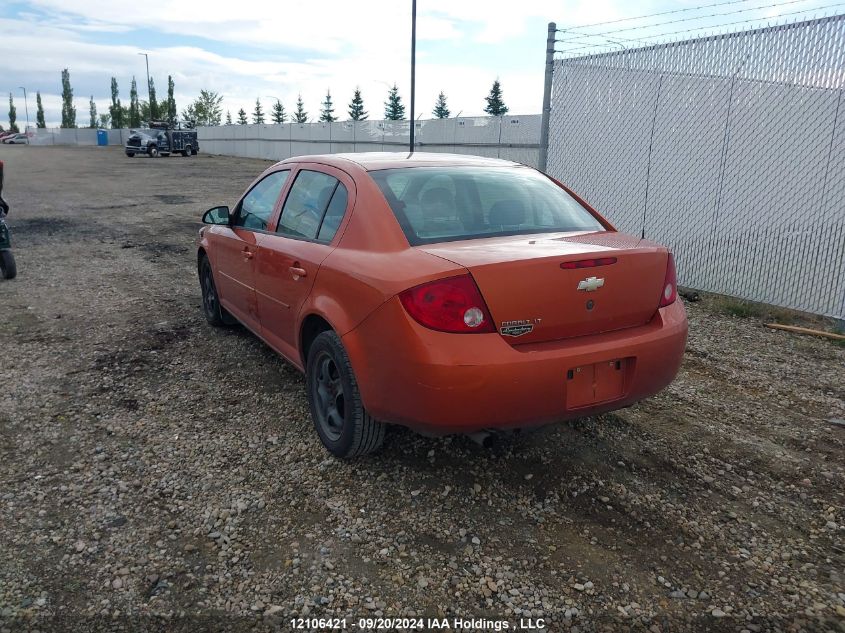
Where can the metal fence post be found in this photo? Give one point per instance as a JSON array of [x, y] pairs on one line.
[[547, 97]]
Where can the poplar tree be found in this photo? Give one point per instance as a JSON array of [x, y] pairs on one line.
[[68, 111], [154, 114], [39, 114], [116, 109], [170, 104], [92, 112], [134, 108], [13, 115]]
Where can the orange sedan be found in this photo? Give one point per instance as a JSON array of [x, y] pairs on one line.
[[444, 293]]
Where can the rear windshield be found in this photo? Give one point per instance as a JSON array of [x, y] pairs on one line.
[[441, 204]]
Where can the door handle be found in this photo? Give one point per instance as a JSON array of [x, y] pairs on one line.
[[297, 272], [248, 254]]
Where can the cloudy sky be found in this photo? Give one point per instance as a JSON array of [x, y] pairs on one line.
[[278, 49]]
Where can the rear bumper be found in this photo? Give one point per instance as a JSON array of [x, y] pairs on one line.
[[445, 383]]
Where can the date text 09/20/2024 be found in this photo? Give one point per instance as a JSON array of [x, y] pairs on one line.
[[417, 624]]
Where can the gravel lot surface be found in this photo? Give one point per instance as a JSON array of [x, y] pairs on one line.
[[158, 474]]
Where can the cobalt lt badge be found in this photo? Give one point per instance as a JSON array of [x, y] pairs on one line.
[[591, 284]]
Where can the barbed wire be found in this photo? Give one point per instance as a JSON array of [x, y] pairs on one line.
[[681, 20], [648, 39]]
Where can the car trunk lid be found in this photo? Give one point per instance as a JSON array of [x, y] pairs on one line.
[[533, 299]]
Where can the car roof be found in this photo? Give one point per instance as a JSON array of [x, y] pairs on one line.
[[372, 161]]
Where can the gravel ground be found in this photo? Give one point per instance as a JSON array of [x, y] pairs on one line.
[[158, 474]]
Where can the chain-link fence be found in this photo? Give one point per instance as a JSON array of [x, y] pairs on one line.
[[729, 149]]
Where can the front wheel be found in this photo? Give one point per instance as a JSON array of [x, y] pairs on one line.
[[215, 313], [152, 151], [8, 268], [130, 154], [343, 425]]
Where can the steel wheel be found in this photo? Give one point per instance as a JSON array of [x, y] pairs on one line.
[[330, 403]]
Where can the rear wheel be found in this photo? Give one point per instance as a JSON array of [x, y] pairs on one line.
[[343, 425], [215, 313], [152, 150], [187, 151], [8, 268]]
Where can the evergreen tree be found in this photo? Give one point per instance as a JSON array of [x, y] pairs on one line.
[[13, 115], [393, 108], [134, 108], [116, 109], [278, 115], [495, 105], [205, 110], [92, 112], [154, 113], [356, 107], [228, 118], [327, 110], [441, 110], [170, 105], [258, 113], [39, 114], [242, 117], [300, 116], [68, 111]]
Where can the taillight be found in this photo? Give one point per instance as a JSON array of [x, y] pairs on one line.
[[449, 305], [670, 284], [588, 263]]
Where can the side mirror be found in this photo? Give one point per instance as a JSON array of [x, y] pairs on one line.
[[216, 215]]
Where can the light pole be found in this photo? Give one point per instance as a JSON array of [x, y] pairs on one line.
[[413, 67], [26, 109], [149, 101]]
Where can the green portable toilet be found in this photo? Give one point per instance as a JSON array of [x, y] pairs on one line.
[[102, 137]]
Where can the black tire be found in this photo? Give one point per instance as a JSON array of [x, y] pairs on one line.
[[152, 151], [194, 152], [343, 425], [187, 151], [130, 154], [215, 313], [8, 268]]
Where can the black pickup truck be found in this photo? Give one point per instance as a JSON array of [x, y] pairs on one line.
[[163, 139]]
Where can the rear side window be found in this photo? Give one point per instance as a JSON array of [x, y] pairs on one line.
[[439, 204], [314, 207], [257, 206]]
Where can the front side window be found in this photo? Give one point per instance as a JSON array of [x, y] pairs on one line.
[[257, 206], [439, 204], [314, 207]]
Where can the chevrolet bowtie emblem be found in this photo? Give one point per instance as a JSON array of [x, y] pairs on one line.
[[591, 283]]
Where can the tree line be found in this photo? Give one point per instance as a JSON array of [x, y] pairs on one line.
[[207, 109]]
